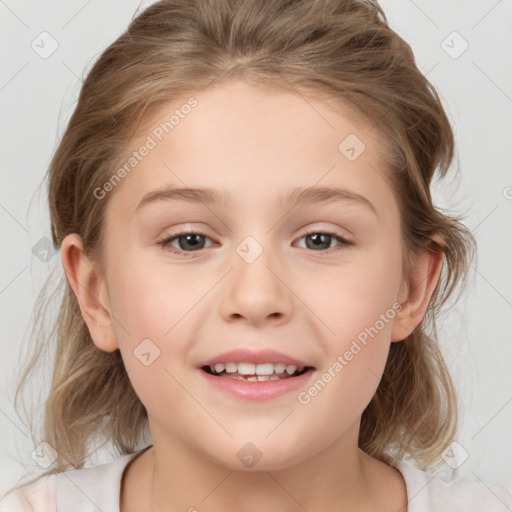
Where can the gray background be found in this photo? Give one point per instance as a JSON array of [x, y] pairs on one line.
[[38, 94]]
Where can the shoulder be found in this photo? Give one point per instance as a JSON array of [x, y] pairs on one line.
[[36, 496], [426, 491], [76, 489], [71, 491]]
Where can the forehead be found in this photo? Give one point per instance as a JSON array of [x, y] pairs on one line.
[[252, 141]]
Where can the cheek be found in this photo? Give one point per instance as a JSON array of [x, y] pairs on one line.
[[354, 297], [150, 301], [153, 330], [154, 312], [358, 304]]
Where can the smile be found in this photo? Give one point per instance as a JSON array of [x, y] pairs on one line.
[[249, 375], [251, 372]]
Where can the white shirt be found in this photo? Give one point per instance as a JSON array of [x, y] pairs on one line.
[[97, 489]]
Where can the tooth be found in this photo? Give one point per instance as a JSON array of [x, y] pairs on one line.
[[291, 369], [246, 368], [231, 367], [279, 368], [257, 372], [265, 369]]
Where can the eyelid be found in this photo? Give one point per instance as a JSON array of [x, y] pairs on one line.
[[326, 231], [165, 242], [308, 231]]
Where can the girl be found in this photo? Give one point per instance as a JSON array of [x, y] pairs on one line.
[[253, 265]]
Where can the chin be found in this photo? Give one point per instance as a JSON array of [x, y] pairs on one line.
[[261, 455]]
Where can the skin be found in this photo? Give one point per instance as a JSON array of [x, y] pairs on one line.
[[255, 144]]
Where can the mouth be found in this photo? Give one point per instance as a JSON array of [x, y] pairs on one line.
[[252, 372], [249, 375]]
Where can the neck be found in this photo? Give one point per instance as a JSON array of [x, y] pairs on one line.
[[341, 477]]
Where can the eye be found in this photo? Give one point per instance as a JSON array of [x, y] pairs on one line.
[[192, 241], [187, 242], [321, 240]]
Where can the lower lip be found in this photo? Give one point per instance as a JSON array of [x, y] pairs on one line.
[[257, 391]]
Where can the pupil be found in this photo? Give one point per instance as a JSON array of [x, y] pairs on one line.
[[316, 237], [190, 238]]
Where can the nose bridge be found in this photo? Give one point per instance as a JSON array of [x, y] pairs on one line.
[[255, 291]]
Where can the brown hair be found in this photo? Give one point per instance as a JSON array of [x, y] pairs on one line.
[[342, 50]]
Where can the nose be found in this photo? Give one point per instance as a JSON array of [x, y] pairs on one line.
[[257, 292]]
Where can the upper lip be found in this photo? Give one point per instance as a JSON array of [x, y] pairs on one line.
[[243, 355]]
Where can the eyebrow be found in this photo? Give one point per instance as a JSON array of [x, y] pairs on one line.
[[298, 195]]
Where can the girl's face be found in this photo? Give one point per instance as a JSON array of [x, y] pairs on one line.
[[269, 274]]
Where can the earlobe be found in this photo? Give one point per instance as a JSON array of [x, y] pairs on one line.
[[90, 290], [426, 273]]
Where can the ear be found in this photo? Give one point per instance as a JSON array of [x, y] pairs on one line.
[[90, 290], [426, 272]]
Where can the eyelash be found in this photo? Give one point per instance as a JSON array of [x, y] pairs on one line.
[[165, 243]]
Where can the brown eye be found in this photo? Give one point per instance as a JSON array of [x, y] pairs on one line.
[[321, 240], [184, 242]]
